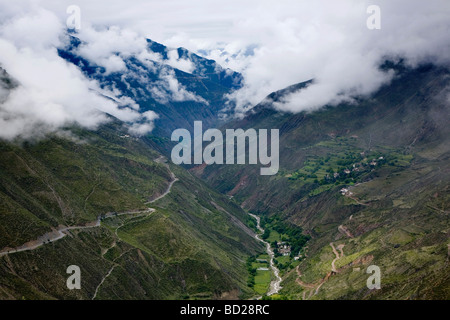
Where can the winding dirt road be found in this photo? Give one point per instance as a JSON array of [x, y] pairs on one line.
[[314, 288], [162, 160], [61, 232], [340, 248], [342, 229]]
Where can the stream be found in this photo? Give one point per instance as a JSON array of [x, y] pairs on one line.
[[275, 285]]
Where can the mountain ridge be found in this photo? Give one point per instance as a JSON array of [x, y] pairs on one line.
[[208, 81], [358, 176], [359, 183]]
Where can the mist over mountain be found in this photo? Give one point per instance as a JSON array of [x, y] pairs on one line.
[[362, 176], [155, 84], [131, 78], [335, 46], [87, 179]]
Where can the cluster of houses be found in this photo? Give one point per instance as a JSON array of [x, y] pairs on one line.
[[346, 192], [127, 136], [374, 161], [283, 248], [346, 171], [355, 167]]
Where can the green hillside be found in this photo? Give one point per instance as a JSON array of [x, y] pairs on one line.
[[371, 178], [193, 245]]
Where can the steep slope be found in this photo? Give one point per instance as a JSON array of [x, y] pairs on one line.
[[370, 178], [183, 246]]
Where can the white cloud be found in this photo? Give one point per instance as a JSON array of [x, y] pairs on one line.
[[50, 92], [169, 89], [178, 91], [139, 129], [273, 43], [113, 64], [292, 40], [331, 43], [176, 62], [142, 128], [109, 46]]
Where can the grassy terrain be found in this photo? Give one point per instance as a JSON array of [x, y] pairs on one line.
[[259, 278], [274, 236], [262, 281], [72, 181], [193, 246], [396, 212]]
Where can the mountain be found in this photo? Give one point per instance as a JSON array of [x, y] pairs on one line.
[[367, 181], [360, 184], [178, 97], [137, 226]]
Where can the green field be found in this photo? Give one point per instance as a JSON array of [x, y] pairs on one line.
[[262, 281], [274, 236]]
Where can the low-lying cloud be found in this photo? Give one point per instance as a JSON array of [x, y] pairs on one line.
[[330, 43], [109, 47], [49, 92], [168, 88], [279, 43], [273, 44]]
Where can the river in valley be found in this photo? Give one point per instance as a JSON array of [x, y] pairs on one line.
[[275, 285]]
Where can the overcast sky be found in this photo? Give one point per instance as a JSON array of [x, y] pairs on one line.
[[273, 43]]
